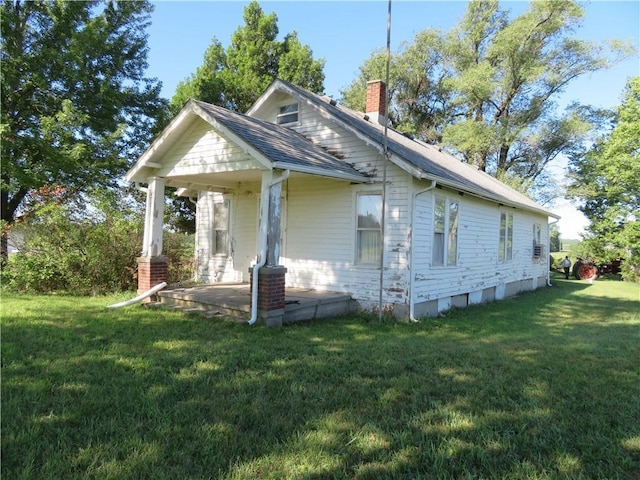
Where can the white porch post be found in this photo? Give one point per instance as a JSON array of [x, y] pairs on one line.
[[268, 278], [152, 265], [153, 218]]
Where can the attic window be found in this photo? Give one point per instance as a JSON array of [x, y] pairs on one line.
[[287, 114]]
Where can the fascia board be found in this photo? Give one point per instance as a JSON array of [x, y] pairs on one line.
[[323, 173], [145, 159], [265, 96], [479, 194]]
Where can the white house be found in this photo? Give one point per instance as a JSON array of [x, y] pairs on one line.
[[295, 188]]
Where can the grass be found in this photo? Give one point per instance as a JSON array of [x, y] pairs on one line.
[[545, 386]]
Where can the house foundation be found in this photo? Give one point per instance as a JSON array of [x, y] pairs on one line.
[[271, 294], [152, 271]]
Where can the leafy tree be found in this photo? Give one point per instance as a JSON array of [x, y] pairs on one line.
[[76, 106], [555, 245], [206, 84], [486, 89], [606, 180], [234, 78]]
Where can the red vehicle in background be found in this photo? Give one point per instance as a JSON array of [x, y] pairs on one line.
[[585, 269]]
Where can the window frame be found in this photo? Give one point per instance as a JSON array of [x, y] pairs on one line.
[[505, 237], [358, 254], [446, 254], [215, 229], [538, 246], [283, 113]]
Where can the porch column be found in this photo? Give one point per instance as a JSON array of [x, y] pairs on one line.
[[152, 265], [153, 218], [273, 225], [271, 277]]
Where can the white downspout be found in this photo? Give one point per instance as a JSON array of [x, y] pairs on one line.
[[140, 297], [411, 262], [262, 241], [546, 260]]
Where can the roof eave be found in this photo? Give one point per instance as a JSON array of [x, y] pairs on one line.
[[322, 172], [493, 198]]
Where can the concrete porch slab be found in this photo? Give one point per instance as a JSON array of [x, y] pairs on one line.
[[234, 300]]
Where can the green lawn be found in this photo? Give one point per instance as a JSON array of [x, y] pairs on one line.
[[544, 386]]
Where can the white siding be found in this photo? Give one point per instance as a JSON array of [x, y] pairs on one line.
[[203, 150], [320, 240], [478, 267]]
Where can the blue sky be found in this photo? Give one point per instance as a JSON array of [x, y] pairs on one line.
[[345, 34]]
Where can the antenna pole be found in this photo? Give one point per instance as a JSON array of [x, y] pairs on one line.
[[385, 149]]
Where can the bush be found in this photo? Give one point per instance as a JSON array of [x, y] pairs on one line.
[[179, 247], [88, 249]]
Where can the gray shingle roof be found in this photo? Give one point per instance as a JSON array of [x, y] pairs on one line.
[[281, 145], [428, 159]]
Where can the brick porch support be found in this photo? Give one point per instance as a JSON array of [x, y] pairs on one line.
[[271, 294], [151, 272]]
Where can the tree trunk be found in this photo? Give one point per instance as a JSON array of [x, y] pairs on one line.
[[502, 159]]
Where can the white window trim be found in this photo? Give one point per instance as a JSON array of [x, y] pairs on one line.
[[448, 200], [539, 248], [508, 236], [280, 115], [355, 229], [227, 253]]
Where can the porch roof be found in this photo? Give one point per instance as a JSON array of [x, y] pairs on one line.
[[274, 146]]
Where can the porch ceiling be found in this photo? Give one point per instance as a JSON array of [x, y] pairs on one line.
[[189, 185], [213, 181]]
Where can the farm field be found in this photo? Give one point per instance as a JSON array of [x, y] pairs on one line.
[[543, 386]]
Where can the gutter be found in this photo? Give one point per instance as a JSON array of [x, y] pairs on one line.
[[492, 198], [262, 252], [412, 316]]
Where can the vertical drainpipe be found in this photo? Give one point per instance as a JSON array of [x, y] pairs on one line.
[[412, 316], [267, 183]]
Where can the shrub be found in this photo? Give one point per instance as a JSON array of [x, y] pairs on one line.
[[179, 247], [83, 249], [88, 247]]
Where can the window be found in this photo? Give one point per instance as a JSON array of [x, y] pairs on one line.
[[538, 248], [537, 233], [221, 228], [369, 229], [288, 114], [445, 232], [506, 237]]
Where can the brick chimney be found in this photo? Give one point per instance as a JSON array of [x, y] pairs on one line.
[[376, 108]]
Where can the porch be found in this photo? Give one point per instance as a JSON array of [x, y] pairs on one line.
[[234, 301]]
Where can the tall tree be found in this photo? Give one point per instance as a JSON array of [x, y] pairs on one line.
[[606, 181], [76, 107], [234, 78], [486, 89]]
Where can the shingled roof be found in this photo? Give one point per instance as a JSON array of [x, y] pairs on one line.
[[426, 161], [283, 146]]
